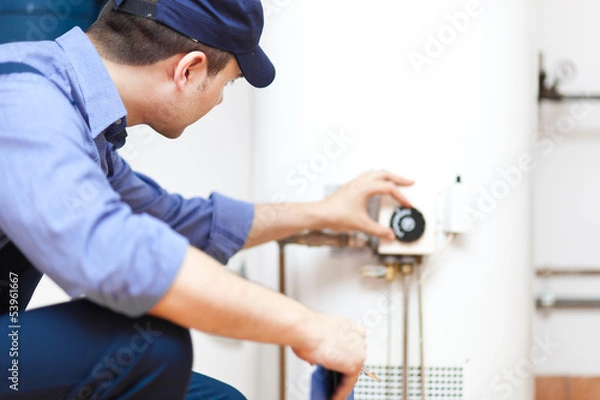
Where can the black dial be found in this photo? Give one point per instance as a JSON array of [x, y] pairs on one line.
[[408, 224]]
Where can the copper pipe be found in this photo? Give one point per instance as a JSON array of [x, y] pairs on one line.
[[405, 368], [331, 239], [312, 239], [389, 382], [282, 360], [548, 272], [421, 334]]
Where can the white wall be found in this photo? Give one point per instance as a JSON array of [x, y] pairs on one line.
[[566, 192], [343, 66]]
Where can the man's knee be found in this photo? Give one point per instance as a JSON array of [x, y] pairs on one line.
[[205, 387], [164, 345], [231, 393]]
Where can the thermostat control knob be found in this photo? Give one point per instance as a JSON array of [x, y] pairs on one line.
[[408, 224]]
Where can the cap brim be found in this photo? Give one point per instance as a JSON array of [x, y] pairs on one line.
[[256, 68]]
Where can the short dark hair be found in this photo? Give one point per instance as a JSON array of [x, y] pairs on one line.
[[127, 39]]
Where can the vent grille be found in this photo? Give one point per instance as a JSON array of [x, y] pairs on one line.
[[442, 383]]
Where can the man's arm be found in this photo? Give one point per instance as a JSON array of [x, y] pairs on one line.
[[207, 297], [218, 225], [345, 210], [58, 209]]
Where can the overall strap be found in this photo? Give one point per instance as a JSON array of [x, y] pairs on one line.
[[15, 67]]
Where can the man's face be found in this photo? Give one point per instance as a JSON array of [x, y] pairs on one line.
[[195, 101]]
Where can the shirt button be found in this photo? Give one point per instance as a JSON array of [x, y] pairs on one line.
[[118, 122]]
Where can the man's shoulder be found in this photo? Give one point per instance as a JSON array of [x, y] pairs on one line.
[[35, 58], [40, 55], [31, 102], [30, 88]]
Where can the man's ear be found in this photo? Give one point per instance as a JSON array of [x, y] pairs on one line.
[[191, 68]]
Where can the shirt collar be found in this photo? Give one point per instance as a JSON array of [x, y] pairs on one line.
[[102, 103]]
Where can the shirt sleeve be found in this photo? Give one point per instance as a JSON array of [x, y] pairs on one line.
[[59, 209], [219, 225]]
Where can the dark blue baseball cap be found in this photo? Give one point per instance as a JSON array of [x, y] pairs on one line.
[[234, 26]]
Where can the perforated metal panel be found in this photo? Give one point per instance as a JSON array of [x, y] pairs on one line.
[[442, 383]]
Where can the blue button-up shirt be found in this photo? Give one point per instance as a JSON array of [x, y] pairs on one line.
[[72, 205]]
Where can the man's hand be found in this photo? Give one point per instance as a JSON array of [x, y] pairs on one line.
[[207, 297], [346, 208], [337, 344]]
